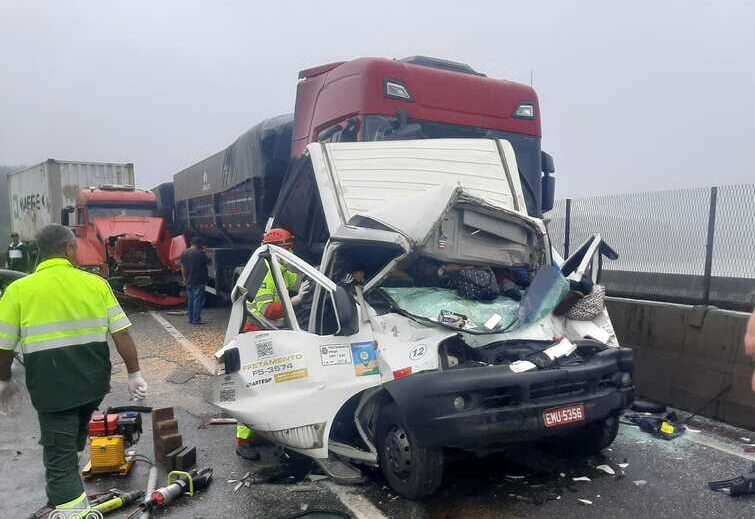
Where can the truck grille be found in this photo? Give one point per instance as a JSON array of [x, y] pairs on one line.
[[141, 258], [534, 393]]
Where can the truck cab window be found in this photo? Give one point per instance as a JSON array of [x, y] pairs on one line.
[[345, 131]]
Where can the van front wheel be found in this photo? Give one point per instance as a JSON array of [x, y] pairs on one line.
[[412, 470]]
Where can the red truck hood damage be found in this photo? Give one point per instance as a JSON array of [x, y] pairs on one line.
[[142, 228], [142, 247]]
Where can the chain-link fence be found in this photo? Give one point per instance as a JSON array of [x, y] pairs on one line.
[[694, 246]]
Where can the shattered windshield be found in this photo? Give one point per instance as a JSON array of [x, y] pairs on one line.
[[475, 299], [114, 211]]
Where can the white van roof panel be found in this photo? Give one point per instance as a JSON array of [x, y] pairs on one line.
[[364, 176]]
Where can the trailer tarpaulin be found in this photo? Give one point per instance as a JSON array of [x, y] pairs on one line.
[[262, 152]]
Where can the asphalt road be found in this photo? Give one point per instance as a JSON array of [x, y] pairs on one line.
[[654, 478]]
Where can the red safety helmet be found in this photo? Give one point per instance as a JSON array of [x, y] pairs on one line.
[[279, 237]]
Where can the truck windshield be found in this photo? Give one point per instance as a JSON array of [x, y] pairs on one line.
[[113, 211], [526, 147]]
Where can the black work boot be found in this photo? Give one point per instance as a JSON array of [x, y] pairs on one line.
[[248, 452]]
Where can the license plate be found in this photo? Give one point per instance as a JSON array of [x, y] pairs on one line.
[[566, 415]]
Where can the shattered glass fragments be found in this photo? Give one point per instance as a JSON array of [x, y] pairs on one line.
[[428, 303]]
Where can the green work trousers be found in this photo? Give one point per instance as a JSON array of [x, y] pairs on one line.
[[63, 436]]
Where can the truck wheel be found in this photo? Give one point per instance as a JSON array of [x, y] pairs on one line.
[[597, 436], [412, 470]]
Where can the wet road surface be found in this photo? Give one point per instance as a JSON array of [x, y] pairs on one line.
[[653, 478]]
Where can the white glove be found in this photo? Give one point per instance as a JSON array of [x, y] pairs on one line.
[[137, 386], [303, 291], [8, 388]]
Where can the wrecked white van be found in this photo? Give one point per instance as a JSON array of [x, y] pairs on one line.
[[439, 318]]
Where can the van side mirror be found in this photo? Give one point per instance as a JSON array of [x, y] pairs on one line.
[[346, 309], [65, 218]]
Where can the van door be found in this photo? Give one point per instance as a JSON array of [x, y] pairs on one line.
[[586, 262], [294, 371]]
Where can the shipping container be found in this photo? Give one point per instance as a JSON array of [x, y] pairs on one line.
[[37, 194], [4, 214]]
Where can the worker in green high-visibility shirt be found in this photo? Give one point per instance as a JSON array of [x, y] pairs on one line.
[[266, 305], [60, 317]]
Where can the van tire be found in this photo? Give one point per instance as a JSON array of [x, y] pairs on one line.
[[596, 436], [412, 470]]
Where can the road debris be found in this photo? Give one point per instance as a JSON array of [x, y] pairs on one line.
[[738, 486], [640, 482], [585, 502], [305, 488], [243, 481], [581, 478], [666, 427], [207, 421], [606, 469]]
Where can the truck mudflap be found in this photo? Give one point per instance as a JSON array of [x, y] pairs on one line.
[[154, 299], [487, 407]]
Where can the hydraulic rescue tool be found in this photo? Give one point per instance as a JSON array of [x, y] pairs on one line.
[[115, 499], [179, 484]]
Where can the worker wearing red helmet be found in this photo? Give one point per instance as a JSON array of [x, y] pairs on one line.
[[267, 306], [266, 302]]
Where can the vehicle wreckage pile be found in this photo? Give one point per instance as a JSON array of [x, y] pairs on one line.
[[439, 318]]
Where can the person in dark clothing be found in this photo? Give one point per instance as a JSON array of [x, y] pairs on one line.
[[194, 263], [18, 254]]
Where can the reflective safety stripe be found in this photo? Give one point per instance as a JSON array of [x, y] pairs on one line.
[[119, 324], [32, 331], [114, 311], [8, 344], [63, 342], [79, 503], [8, 329]]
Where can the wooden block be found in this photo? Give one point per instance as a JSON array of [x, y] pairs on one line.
[[170, 458], [164, 413], [165, 445], [186, 459], [167, 427]]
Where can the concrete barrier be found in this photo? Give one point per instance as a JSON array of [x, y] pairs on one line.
[[685, 355]]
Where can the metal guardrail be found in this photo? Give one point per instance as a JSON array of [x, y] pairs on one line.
[[694, 246]]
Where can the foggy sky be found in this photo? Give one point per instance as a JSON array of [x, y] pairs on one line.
[[634, 96]]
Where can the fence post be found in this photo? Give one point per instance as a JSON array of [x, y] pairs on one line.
[[567, 227], [709, 244]]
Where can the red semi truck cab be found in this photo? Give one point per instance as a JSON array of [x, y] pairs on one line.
[[121, 237], [372, 99]]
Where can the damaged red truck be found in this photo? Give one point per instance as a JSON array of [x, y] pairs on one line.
[[121, 238], [119, 234]]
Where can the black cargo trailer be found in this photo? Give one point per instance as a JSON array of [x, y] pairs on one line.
[[228, 197]]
